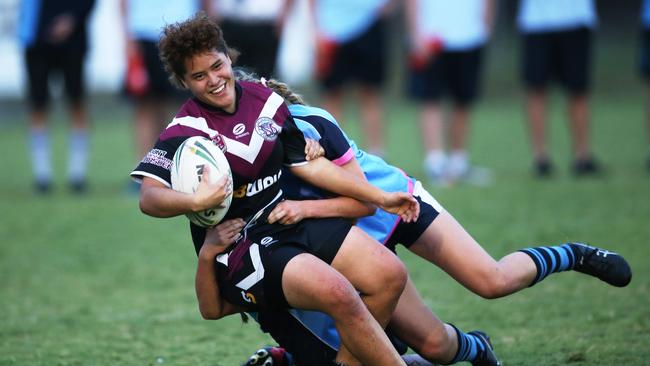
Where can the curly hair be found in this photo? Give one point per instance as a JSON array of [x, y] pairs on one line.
[[183, 40]]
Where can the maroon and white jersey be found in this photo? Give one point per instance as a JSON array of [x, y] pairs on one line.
[[257, 139]]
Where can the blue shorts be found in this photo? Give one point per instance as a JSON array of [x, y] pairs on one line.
[[564, 56]]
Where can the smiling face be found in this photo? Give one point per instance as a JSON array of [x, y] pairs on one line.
[[210, 78]]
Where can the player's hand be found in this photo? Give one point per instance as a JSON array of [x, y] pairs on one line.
[[61, 28], [313, 149], [402, 204], [288, 212], [211, 194], [219, 238]]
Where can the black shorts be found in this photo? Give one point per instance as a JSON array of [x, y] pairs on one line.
[[42, 61], [307, 345], [644, 54], [408, 233], [257, 43], [159, 83], [250, 274], [361, 59], [457, 73], [564, 56]]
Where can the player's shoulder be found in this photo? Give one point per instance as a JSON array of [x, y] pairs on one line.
[[306, 111]]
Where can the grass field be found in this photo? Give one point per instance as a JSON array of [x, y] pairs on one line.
[[92, 281]]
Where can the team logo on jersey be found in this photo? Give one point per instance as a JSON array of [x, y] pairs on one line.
[[240, 130], [220, 142], [248, 297], [267, 128], [253, 188], [267, 240], [158, 157]]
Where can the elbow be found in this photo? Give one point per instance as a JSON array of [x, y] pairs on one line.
[[144, 207], [211, 314], [369, 209]]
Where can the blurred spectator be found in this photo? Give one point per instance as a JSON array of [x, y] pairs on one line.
[[252, 27], [645, 66], [145, 79], [557, 41], [351, 46], [54, 36], [447, 39]]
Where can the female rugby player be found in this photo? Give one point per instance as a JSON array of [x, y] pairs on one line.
[[310, 265]]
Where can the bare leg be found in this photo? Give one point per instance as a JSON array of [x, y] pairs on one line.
[[372, 119], [446, 244], [147, 126], [459, 127], [328, 291], [536, 111], [418, 327], [433, 139], [379, 277], [579, 123], [431, 126], [333, 103]]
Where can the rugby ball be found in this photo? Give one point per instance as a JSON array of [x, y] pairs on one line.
[[188, 164]]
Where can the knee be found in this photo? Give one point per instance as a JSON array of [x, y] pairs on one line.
[[436, 347], [493, 285], [342, 300], [391, 274]]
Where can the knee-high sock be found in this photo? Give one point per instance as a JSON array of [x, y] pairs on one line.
[[469, 346], [551, 259]]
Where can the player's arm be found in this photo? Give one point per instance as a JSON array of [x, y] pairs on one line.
[[290, 211], [326, 175], [158, 200], [217, 240]]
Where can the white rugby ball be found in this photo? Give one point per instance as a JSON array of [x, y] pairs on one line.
[[187, 169]]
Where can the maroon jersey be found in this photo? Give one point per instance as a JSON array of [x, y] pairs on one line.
[[257, 139]]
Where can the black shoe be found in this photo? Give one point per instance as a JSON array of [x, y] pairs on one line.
[[270, 356], [586, 167], [603, 264], [486, 356], [543, 168], [43, 187], [78, 186]]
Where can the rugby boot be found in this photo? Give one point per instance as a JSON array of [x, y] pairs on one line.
[[270, 356], [486, 356], [608, 266]]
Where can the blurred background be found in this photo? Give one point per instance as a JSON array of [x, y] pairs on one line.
[[87, 279]]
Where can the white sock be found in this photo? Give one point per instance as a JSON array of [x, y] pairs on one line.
[[436, 162], [39, 140], [458, 163], [77, 155]]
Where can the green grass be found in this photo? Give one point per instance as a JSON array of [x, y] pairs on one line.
[[92, 281]]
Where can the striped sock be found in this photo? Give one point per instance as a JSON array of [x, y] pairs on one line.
[[469, 346], [551, 260]]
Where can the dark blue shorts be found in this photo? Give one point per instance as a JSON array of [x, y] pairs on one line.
[[455, 73], [564, 56], [361, 59]]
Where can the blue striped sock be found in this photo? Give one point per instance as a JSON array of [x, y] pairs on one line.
[[551, 260], [469, 346]]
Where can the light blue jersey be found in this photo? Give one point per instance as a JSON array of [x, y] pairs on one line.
[[319, 125]]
